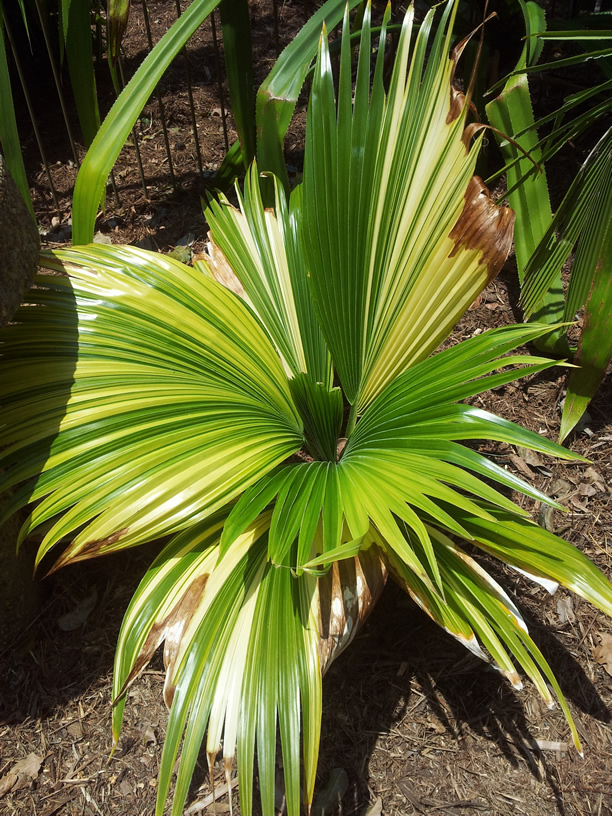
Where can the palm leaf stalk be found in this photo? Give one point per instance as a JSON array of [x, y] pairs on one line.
[[277, 411]]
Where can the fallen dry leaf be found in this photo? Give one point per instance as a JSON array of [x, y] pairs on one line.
[[560, 487], [7, 782], [209, 803], [603, 652], [21, 774], [595, 478], [593, 474], [125, 787], [565, 610], [531, 457], [375, 809], [75, 730], [579, 505], [546, 518], [521, 465]]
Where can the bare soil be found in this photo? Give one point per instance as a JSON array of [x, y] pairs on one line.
[[412, 723]]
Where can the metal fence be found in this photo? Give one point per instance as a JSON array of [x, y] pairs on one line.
[[152, 18]]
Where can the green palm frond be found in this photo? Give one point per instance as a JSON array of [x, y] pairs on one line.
[[277, 411], [400, 243], [160, 398], [476, 610], [245, 646], [262, 248]]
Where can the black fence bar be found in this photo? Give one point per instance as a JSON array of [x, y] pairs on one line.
[[194, 123], [160, 104], [31, 112], [219, 80]]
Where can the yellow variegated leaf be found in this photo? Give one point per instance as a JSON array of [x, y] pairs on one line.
[[164, 399], [400, 235]]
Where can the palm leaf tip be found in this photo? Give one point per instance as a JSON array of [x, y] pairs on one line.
[[485, 226]]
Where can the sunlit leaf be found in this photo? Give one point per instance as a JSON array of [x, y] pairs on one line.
[[404, 238]]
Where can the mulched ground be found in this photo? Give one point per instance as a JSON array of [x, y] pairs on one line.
[[412, 723]]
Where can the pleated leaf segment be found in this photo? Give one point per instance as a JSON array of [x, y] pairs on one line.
[[139, 396], [399, 236]]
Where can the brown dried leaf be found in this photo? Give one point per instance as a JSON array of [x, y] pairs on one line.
[[596, 479], [592, 474], [546, 518], [21, 774], [586, 489], [579, 505], [603, 652], [75, 730], [7, 782], [125, 788], [565, 610], [221, 271], [521, 465], [560, 487], [474, 306], [91, 549], [530, 457], [347, 593], [410, 794], [170, 630]]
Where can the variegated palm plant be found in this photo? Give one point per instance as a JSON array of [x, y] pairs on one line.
[[277, 411]]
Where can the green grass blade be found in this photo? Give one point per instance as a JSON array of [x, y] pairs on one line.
[[231, 167], [593, 263], [570, 102], [348, 550], [9, 136], [76, 31], [577, 34], [117, 16], [238, 51], [577, 59], [110, 138], [278, 94], [569, 221], [24, 17], [529, 547], [512, 114]]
